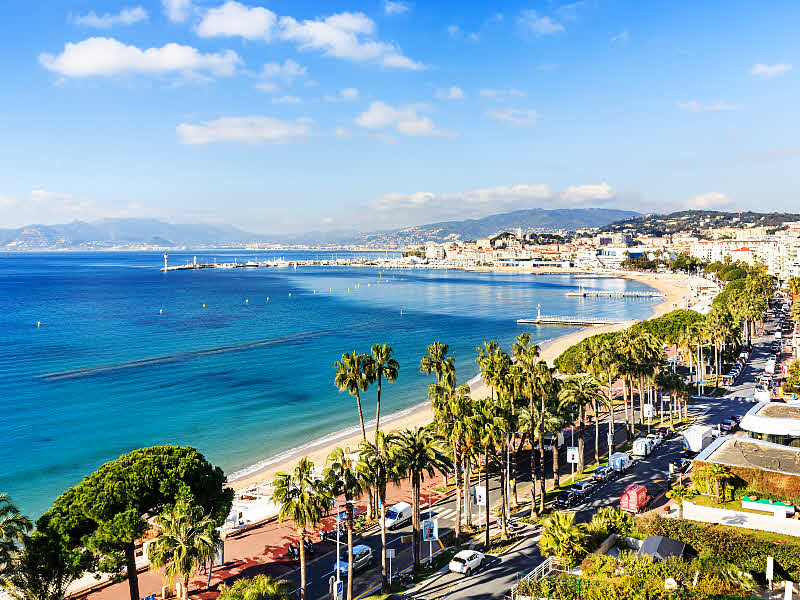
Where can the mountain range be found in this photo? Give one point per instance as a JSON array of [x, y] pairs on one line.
[[138, 233]]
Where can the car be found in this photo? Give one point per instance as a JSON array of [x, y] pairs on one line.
[[656, 437], [681, 465], [737, 418], [603, 474], [666, 433], [565, 499], [362, 559], [728, 426], [583, 489], [398, 515], [466, 562], [688, 454]]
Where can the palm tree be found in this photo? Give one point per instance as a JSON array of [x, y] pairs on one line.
[[489, 363], [260, 587], [343, 480], [626, 360], [680, 493], [417, 452], [43, 568], [718, 474], [188, 537], [538, 424], [437, 361], [13, 527], [377, 462], [596, 360], [303, 499], [353, 376], [649, 352], [526, 354], [562, 537], [383, 367], [577, 392], [496, 425]]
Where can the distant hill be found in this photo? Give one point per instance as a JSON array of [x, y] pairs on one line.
[[531, 219], [109, 233], [694, 221]]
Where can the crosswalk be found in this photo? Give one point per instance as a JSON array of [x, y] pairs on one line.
[[448, 514]]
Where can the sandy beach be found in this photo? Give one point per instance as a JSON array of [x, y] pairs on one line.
[[674, 288]]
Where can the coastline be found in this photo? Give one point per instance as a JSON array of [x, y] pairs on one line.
[[674, 288]]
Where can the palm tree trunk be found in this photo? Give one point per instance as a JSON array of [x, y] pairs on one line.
[[514, 455], [467, 489], [486, 483], [302, 550], [361, 416], [533, 458], [596, 408], [384, 570], [130, 566], [456, 463], [625, 402], [611, 436], [581, 440], [556, 462], [543, 477], [378, 409], [349, 551], [415, 537], [503, 515]]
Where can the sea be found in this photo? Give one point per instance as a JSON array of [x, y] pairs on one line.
[[102, 352]]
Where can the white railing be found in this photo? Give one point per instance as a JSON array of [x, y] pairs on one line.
[[542, 570]]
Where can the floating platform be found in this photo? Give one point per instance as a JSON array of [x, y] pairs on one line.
[[612, 294], [573, 321], [594, 276]]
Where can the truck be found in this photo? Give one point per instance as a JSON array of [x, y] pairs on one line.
[[697, 437], [634, 498], [642, 446]]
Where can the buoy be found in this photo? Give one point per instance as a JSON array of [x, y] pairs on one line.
[[246, 301], [401, 312], [290, 294], [38, 323], [204, 305], [160, 311], [330, 290], [315, 292], [348, 290], [267, 298]]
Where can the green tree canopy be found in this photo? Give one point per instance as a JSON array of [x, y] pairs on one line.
[[107, 511]]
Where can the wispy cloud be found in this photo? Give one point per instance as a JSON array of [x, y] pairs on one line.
[[395, 7], [707, 201], [502, 94], [451, 93], [760, 70], [409, 120], [287, 100], [621, 38], [538, 24], [250, 130], [345, 95], [514, 116], [696, 107], [127, 16], [177, 11], [287, 71]]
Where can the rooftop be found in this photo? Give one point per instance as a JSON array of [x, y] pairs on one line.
[[776, 410], [752, 454]]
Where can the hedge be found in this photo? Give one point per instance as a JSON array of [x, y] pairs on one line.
[[744, 550], [763, 483]]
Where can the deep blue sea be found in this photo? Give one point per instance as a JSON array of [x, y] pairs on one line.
[[238, 362]]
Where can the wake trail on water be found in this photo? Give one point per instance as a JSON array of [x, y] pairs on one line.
[[169, 358]]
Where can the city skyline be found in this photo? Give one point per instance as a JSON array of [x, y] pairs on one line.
[[284, 117]]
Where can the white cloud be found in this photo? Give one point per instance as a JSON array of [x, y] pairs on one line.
[[569, 12], [406, 120], [452, 93], [760, 70], [710, 200], [100, 56], [538, 24], [453, 30], [427, 207], [177, 11], [127, 16], [696, 107], [251, 130], [346, 36], [267, 87], [395, 7], [342, 132], [287, 100], [621, 38], [345, 95], [502, 94], [514, 116], [236, 19], [287, 71]]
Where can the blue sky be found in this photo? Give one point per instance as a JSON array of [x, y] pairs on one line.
[[298, 116]]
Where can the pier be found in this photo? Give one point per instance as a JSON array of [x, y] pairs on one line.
[[613, 294], [594, 276], [560, 320]]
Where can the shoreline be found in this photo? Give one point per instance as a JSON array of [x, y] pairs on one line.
[[675, 290]]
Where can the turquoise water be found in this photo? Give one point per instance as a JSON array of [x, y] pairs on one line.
[[241, 379]]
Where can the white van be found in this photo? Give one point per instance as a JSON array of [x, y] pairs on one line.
[[548, 440], [642, 446], [620, 461], [398, 515]]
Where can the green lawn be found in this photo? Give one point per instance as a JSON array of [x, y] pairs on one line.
[[704, 500]]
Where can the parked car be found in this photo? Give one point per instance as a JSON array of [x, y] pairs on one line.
[[634, 498], [681, 465], [728, 426], [642, 446], [466, 562], [620, 461], [362, 559], [655, 438], [603, 474], [666, 433], [565, 499], [583, 489], [737, 418]]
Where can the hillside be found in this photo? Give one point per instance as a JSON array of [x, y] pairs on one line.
[[695, 221], [533, 219]]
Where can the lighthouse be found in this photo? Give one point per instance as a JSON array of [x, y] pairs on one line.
[[165, 261]]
